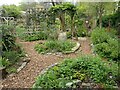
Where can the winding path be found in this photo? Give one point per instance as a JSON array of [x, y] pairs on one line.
[[26, 77]]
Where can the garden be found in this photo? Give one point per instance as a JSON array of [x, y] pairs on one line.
[[51, 45]]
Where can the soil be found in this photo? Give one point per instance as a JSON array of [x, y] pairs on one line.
[[26, 77]]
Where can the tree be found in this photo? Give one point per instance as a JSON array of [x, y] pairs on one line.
[[11, 11], [60, 10]]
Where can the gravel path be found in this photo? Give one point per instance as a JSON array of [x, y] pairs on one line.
[[26, 77]]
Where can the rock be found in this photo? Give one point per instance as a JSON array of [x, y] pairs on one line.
[[82, 38], [26, 59], [58, 53], [54, 54], [77, 81], [62, 36], [22, 66], [26, 55], [46, 69], [49, 53], [69, 84], [86, 84], [76, 47]]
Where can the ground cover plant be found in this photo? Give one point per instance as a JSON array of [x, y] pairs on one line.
[[81, 68], [11, 52], [55, 46], [105, 44]]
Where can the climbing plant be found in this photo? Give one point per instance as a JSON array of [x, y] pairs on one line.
[[62, 9]]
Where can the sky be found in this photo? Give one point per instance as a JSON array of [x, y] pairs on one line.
[[16, 2], [8, 2]]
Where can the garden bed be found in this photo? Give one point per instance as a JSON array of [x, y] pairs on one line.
[[57, 46], [82, 72]]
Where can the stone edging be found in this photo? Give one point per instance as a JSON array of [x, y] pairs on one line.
[[46, 69], [73, 49]]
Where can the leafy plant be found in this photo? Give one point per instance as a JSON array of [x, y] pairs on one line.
[[80, 68], [54, 46], [11, 70], [81, 32], [99, 36], [4, 62], [106, 44], [11, 56], [8, 39]]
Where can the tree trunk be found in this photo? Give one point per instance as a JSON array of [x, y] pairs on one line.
[[62, 20], [100, 21], [100, 14], [72, 27]]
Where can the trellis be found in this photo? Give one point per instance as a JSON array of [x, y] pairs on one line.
[[34, 19], [7, 20]]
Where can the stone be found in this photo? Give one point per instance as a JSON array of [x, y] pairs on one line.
[[49, 53], [22, 66], [26, 55], [86, 84], [76, 47], [77, 81], [82, 38], [26, 59], [62, 36], [69, 84]]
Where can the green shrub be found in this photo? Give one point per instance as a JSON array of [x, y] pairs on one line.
[[54, 46], [109, 50], [8, 39], [69, 35], [106, 44], [81, 32], [114, 20], [80, 68], [11, 70], [52, 34], [41, 35], [20, 32], [99, 36], [35, 36], [11, 56], [4, 62]]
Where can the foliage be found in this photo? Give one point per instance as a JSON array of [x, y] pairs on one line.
[[20, 32], [113, 19], [106, 44], [11, 56], [41, 35], [54, 46], [8, 39], [99, 36], [60, 9], [69, 35], [11, 70], [81, 31], [36, 36], [11, 52], [9, 60], [80, 68], [11, 11], [4, 62]]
